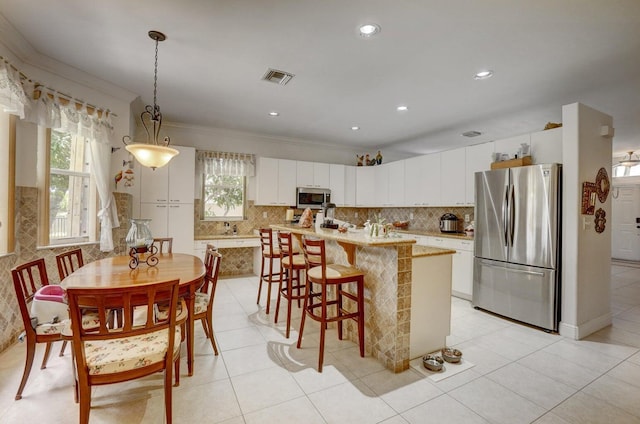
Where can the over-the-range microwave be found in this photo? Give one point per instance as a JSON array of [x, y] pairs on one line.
[[312, 198]]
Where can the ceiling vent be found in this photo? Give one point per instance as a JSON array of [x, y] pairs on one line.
[[471, 133], [277, 77]]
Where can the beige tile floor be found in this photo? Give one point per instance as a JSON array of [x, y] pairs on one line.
[[520, 375]]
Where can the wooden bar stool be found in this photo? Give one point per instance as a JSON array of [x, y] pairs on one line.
[[269, 255], [291, 263], [325, 276]]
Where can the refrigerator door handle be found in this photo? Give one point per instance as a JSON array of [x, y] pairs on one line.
[[505, 210], [521, 271], [512, 218]]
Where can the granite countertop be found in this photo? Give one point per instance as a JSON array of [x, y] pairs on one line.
[[225, 236], [422, 251], [356, 238]]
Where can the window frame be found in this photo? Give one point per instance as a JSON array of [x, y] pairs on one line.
[[44, 183], [8, 178]]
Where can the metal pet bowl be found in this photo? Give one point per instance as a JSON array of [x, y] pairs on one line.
[[432, 362], [451, 355]]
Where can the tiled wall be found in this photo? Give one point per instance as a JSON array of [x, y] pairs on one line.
[[25, 250]]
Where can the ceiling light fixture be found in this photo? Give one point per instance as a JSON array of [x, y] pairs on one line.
[[369, 30], [483, 75], [402, 108], [630, 161], [274, 114], [152, 154], [355, 128]]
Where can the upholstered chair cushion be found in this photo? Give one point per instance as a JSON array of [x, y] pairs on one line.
[[201, 303], [109, 356]]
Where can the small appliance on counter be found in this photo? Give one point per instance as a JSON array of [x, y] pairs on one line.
[[448, 223], [329, 214]]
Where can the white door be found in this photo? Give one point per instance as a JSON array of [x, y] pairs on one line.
[[625, 235]]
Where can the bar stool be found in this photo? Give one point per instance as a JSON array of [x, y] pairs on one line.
[[327, 275], [291, 263], [269, 255]]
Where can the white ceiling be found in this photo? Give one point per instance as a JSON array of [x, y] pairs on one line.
[[545, 53]]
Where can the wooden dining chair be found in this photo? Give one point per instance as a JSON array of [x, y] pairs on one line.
[[203, 305], [67, 263], [164, 244], [137, 349], [27, 279]]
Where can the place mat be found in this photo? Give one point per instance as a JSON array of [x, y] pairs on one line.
[[447, 371]]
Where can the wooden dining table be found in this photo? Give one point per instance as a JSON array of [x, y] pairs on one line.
[[115, 272]]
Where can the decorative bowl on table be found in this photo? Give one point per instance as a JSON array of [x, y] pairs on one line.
[[401, 224], [432, 362], [451, 355]]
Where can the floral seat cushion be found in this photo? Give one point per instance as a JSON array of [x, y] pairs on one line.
[[201, 303], [118, 355]]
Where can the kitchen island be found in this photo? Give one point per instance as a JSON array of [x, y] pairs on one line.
[[393, 272]]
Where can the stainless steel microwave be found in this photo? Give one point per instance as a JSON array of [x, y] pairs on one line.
[[312, 198]]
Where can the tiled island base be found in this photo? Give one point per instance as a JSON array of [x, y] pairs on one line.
[[388, 267]]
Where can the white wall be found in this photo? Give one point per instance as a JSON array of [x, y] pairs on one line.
[[586, 255]]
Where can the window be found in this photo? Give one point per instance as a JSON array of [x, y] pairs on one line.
[[70, 201], [626, 171], [223, 197], [224, 178]]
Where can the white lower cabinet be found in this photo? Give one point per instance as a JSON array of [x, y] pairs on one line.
[[462, 267]]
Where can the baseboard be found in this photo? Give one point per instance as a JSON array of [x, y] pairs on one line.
[[583, 330]]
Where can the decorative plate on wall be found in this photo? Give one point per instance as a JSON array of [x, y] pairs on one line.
[[602, 185]]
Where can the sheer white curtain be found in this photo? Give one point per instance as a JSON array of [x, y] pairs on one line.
[[225, 163], [42, 106], [13, 98]]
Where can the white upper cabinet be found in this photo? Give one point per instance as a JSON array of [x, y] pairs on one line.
[[182, 173], [173, 182], [453, 177], [275, 182], [422, 180], [337, 184], [431, 181], [479, 158], [365, 186], [546, 146], [381, 185], [312, 174], [350, 185], [396, 186]]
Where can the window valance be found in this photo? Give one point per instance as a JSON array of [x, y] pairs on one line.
[[41, 105], [225, 163]]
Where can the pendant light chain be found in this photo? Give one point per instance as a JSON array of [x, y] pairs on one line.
[[155, 83]]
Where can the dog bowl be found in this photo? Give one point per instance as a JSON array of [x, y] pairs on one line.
[[432, 362], [450, 354]]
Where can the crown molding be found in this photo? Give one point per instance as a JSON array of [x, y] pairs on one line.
[[22, 51]]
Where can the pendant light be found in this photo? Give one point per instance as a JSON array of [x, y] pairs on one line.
[[630, 162], [154, 153]]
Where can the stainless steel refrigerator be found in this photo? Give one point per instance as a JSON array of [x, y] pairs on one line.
[[516, 269]]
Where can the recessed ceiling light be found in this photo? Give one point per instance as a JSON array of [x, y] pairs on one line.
[[274, 114], [355, 128], [369, 30], [483, 75], [402, 108]]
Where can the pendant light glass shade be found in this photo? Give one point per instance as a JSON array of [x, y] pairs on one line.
[[154, 153], [151, 155]]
